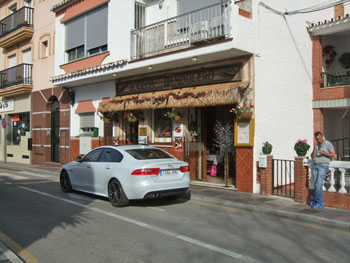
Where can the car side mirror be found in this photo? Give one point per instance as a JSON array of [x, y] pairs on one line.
[[79, 159]]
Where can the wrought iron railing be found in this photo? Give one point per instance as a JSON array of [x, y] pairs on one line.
[[21, 74], [208, 23], [283, 178], [20, 18], [336, 78], [342, 148]]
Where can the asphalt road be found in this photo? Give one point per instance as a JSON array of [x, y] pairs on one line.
[[42, 224]]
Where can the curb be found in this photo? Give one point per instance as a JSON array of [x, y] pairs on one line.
[[9, 254], [30, 169], [321, 221]]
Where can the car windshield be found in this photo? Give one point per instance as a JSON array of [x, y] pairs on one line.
[[147, 154]]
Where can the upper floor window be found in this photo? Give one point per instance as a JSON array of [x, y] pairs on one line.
[[87, 34], [139, 15]]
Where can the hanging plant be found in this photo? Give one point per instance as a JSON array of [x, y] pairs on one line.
[[133, 116], [329, 51], [345, 60]]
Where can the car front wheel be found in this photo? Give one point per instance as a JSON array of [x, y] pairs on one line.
[[65, 182], [116, 194]]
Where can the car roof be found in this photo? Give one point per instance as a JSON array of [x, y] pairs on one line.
[[129, 147]]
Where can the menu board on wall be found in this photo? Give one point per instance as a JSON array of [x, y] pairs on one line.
[[244, 133]]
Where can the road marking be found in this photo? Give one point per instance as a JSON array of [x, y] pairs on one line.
[[21, 252], [36, 182], [15, 177], [157, 209], [35, 174], [150, 227], [242, 211]]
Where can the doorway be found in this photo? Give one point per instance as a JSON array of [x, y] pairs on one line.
[[55, 130], [213, 158]]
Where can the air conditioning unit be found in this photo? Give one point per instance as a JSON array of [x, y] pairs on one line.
[[200, 31]]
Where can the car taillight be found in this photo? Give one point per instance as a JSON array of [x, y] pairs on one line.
[[184, 169], [146, 171]]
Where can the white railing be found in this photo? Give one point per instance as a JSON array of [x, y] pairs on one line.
[[182, 31], [336, 168]]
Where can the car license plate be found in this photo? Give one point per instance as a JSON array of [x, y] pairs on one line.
[[169, 172]]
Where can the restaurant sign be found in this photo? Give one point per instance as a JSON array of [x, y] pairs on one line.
[[168, 81]]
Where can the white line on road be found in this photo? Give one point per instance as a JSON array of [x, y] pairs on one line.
[[35, 174], [145, 225], [15, 177]]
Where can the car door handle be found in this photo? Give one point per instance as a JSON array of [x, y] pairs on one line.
[[108, 167], [88, 166]]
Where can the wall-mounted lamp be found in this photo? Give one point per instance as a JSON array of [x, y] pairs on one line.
[[115, 74], [161, 4], [149, 67], [194, 59]]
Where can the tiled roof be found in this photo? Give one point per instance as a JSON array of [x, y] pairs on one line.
[[328, 22], [90, 70], [62, 4]]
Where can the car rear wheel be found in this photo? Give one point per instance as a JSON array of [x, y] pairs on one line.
[[116, 194], [65, 182]]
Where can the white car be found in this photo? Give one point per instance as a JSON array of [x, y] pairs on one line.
[[127, 172]]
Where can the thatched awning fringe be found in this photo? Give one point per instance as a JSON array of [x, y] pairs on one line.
[[203, 96]]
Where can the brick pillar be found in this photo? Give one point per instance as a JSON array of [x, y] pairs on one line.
[[266, 175], [244, 170], [339, 11], [318, 120], [300, 181], [317, 63]]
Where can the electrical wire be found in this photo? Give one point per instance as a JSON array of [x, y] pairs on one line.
[[317, 7]]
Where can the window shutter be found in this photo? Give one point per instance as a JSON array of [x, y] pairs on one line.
[[75, 33], [87, 120], [97, 27]]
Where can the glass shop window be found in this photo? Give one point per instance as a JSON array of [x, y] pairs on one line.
[[19, 126], [163, 126]]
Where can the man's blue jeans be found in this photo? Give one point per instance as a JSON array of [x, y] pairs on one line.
[[319, 172]]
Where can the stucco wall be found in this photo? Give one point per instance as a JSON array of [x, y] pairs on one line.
[[44, 24], [283, 82], [95, 93]]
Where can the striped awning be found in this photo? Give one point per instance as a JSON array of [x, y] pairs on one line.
[[202, 96]]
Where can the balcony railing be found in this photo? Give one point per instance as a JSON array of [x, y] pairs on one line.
[[205, 24], [342, 148], [336, 78], [20, 18], [17, 75]]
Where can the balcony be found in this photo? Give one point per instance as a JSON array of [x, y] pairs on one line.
[[205, 25], [335, 78], [16, 80], [16, 27]]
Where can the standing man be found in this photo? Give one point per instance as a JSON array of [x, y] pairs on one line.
[[322, 155]]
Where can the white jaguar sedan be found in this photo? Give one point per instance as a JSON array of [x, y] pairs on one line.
[[127, 172]]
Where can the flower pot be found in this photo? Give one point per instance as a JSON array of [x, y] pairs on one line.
[[266, 150], [177, 118], [132, 119], [301, 153], [245, 115], [107, 121]]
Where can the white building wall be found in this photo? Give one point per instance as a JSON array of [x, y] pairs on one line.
[[59, 46], [95, 92], [283, 77], [347, 8]]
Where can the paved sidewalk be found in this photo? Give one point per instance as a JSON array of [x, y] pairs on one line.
[[281, 207]]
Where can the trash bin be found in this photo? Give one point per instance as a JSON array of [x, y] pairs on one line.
[[95, 134]]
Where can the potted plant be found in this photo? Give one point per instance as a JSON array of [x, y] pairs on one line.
[[173, 115], [107, 117], [243, 112], [329, 51], [301, 147], [267, 147], [133, 116]]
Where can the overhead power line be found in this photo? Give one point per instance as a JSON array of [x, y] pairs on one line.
[[317, 7]]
